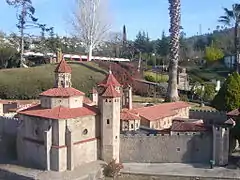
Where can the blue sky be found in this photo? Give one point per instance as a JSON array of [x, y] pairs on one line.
[[148, 15]]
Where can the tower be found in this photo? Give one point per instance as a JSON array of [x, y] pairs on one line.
[[127, 97], [124, 35], [220, 144], [110, 106], [63, 75]]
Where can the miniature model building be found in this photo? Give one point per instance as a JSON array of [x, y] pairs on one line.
[[66, 129]]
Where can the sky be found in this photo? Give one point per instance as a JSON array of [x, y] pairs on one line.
[[145, 15]]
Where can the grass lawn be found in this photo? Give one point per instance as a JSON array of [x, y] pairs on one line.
[[27, 83]]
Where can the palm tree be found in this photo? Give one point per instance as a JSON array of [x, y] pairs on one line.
[[232, 18], [175, 20]]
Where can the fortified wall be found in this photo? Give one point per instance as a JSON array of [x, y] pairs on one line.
[[208, 116], [8, 135], [189, 148]]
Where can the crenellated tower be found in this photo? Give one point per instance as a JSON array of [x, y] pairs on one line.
[[110, 107]]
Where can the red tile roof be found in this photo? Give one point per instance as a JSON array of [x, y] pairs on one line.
[[109, 80], [59, 112], [235, 112], [63, 67], [178, 126], [62, 92], [111, 92], [159, 111], [86, 100], [127, 115]]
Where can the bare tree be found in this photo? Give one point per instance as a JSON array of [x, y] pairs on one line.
[[90, 23]]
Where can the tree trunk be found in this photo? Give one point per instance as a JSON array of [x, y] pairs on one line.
[[90, 53], [175, 18], [236, 43]]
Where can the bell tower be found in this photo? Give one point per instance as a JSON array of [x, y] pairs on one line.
[[63, 75]]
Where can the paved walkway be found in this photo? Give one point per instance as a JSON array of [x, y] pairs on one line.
[[86, 172], [179, 169]]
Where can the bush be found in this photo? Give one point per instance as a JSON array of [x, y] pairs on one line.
[[28, 83], [153, 77], [228, 97], [112, 169]]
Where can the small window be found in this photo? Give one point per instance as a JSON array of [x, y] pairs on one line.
[[136, 124], [132, 126], [60, 100], [85, 131], [178, 149], [62, 83], [115, 100], [75, 100], [106, 100], [115, 137], [110, 100], [178, 134], [108, 121]]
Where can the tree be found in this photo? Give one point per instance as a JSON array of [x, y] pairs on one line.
[[232, 18], [175, 18], [25, 19], [212, 53], [90, 23], [228, 97]]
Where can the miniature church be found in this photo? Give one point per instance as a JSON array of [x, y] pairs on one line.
[[63, 132]]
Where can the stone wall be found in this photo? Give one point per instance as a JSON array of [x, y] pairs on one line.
[[208, 116], [166, 148], [8, 131]]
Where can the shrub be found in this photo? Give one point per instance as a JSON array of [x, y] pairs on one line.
[[112, 169], [228, 97], [153, 77]]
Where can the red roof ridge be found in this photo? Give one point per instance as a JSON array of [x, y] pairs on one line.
[[111, 92], [62, 92], [63, 67], [109, 80]]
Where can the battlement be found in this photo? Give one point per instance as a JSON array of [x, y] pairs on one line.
[[9, 125], [207, 111], [180, 134]]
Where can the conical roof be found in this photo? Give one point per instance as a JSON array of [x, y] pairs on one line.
[[63, 67]]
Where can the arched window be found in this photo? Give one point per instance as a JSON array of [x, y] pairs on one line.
[[108, 122]]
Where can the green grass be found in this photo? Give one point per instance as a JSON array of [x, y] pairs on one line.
[[27, 83]]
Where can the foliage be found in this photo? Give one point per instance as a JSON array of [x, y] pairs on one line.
[[183, 97], [228, 97], [154, 77], [212, 53], [9, 57], [209, 92], [27, 83], [112, 169]]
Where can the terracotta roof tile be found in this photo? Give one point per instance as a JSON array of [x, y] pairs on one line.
[[109, 80], [111, 92], [178, 126], [159, 111], [59, 112], [127, 115], [62, 92], [235, 112], [86, 100], [63, 67]]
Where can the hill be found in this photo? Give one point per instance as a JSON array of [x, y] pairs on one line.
[[27, 83]]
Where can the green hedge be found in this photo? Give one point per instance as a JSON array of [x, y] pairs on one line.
[[27, 83], [153, 77]]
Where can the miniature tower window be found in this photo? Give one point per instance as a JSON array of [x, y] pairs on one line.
[[108, 121]]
